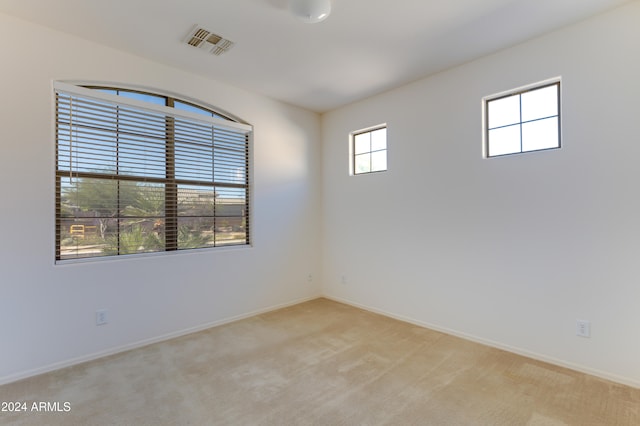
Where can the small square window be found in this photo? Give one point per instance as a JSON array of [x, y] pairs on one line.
[[369, 151], [523, 120]]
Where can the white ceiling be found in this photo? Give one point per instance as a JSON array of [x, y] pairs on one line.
[[364, 47]]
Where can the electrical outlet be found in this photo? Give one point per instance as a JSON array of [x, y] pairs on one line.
[[310, 277], [343, 280], [101, 317], [583, 328]]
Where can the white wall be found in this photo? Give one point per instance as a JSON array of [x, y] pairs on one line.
[[46, 310], [509, 251]]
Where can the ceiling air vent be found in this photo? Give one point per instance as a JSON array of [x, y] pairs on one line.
[[205, 39]]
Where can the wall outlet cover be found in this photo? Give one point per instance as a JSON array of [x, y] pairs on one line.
[[583, 328]]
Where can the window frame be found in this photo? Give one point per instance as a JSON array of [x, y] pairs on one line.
[[352, 150], [519, 92], [218, 121]]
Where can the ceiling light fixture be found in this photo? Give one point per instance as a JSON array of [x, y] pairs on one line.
[[310, 11]]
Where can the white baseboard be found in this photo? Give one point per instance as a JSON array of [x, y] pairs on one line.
[[135, 345], [111, 351], [540, 357]]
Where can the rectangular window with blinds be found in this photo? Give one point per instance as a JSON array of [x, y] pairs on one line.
[[139, 173]]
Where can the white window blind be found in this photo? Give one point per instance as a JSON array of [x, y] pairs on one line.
[[135, 175]]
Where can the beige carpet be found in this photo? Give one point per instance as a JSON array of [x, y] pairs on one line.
[[321, 363]]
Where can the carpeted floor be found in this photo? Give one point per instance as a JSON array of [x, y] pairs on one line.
[[320, 363]]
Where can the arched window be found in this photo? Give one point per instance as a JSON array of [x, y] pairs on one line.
[[139, 172]]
